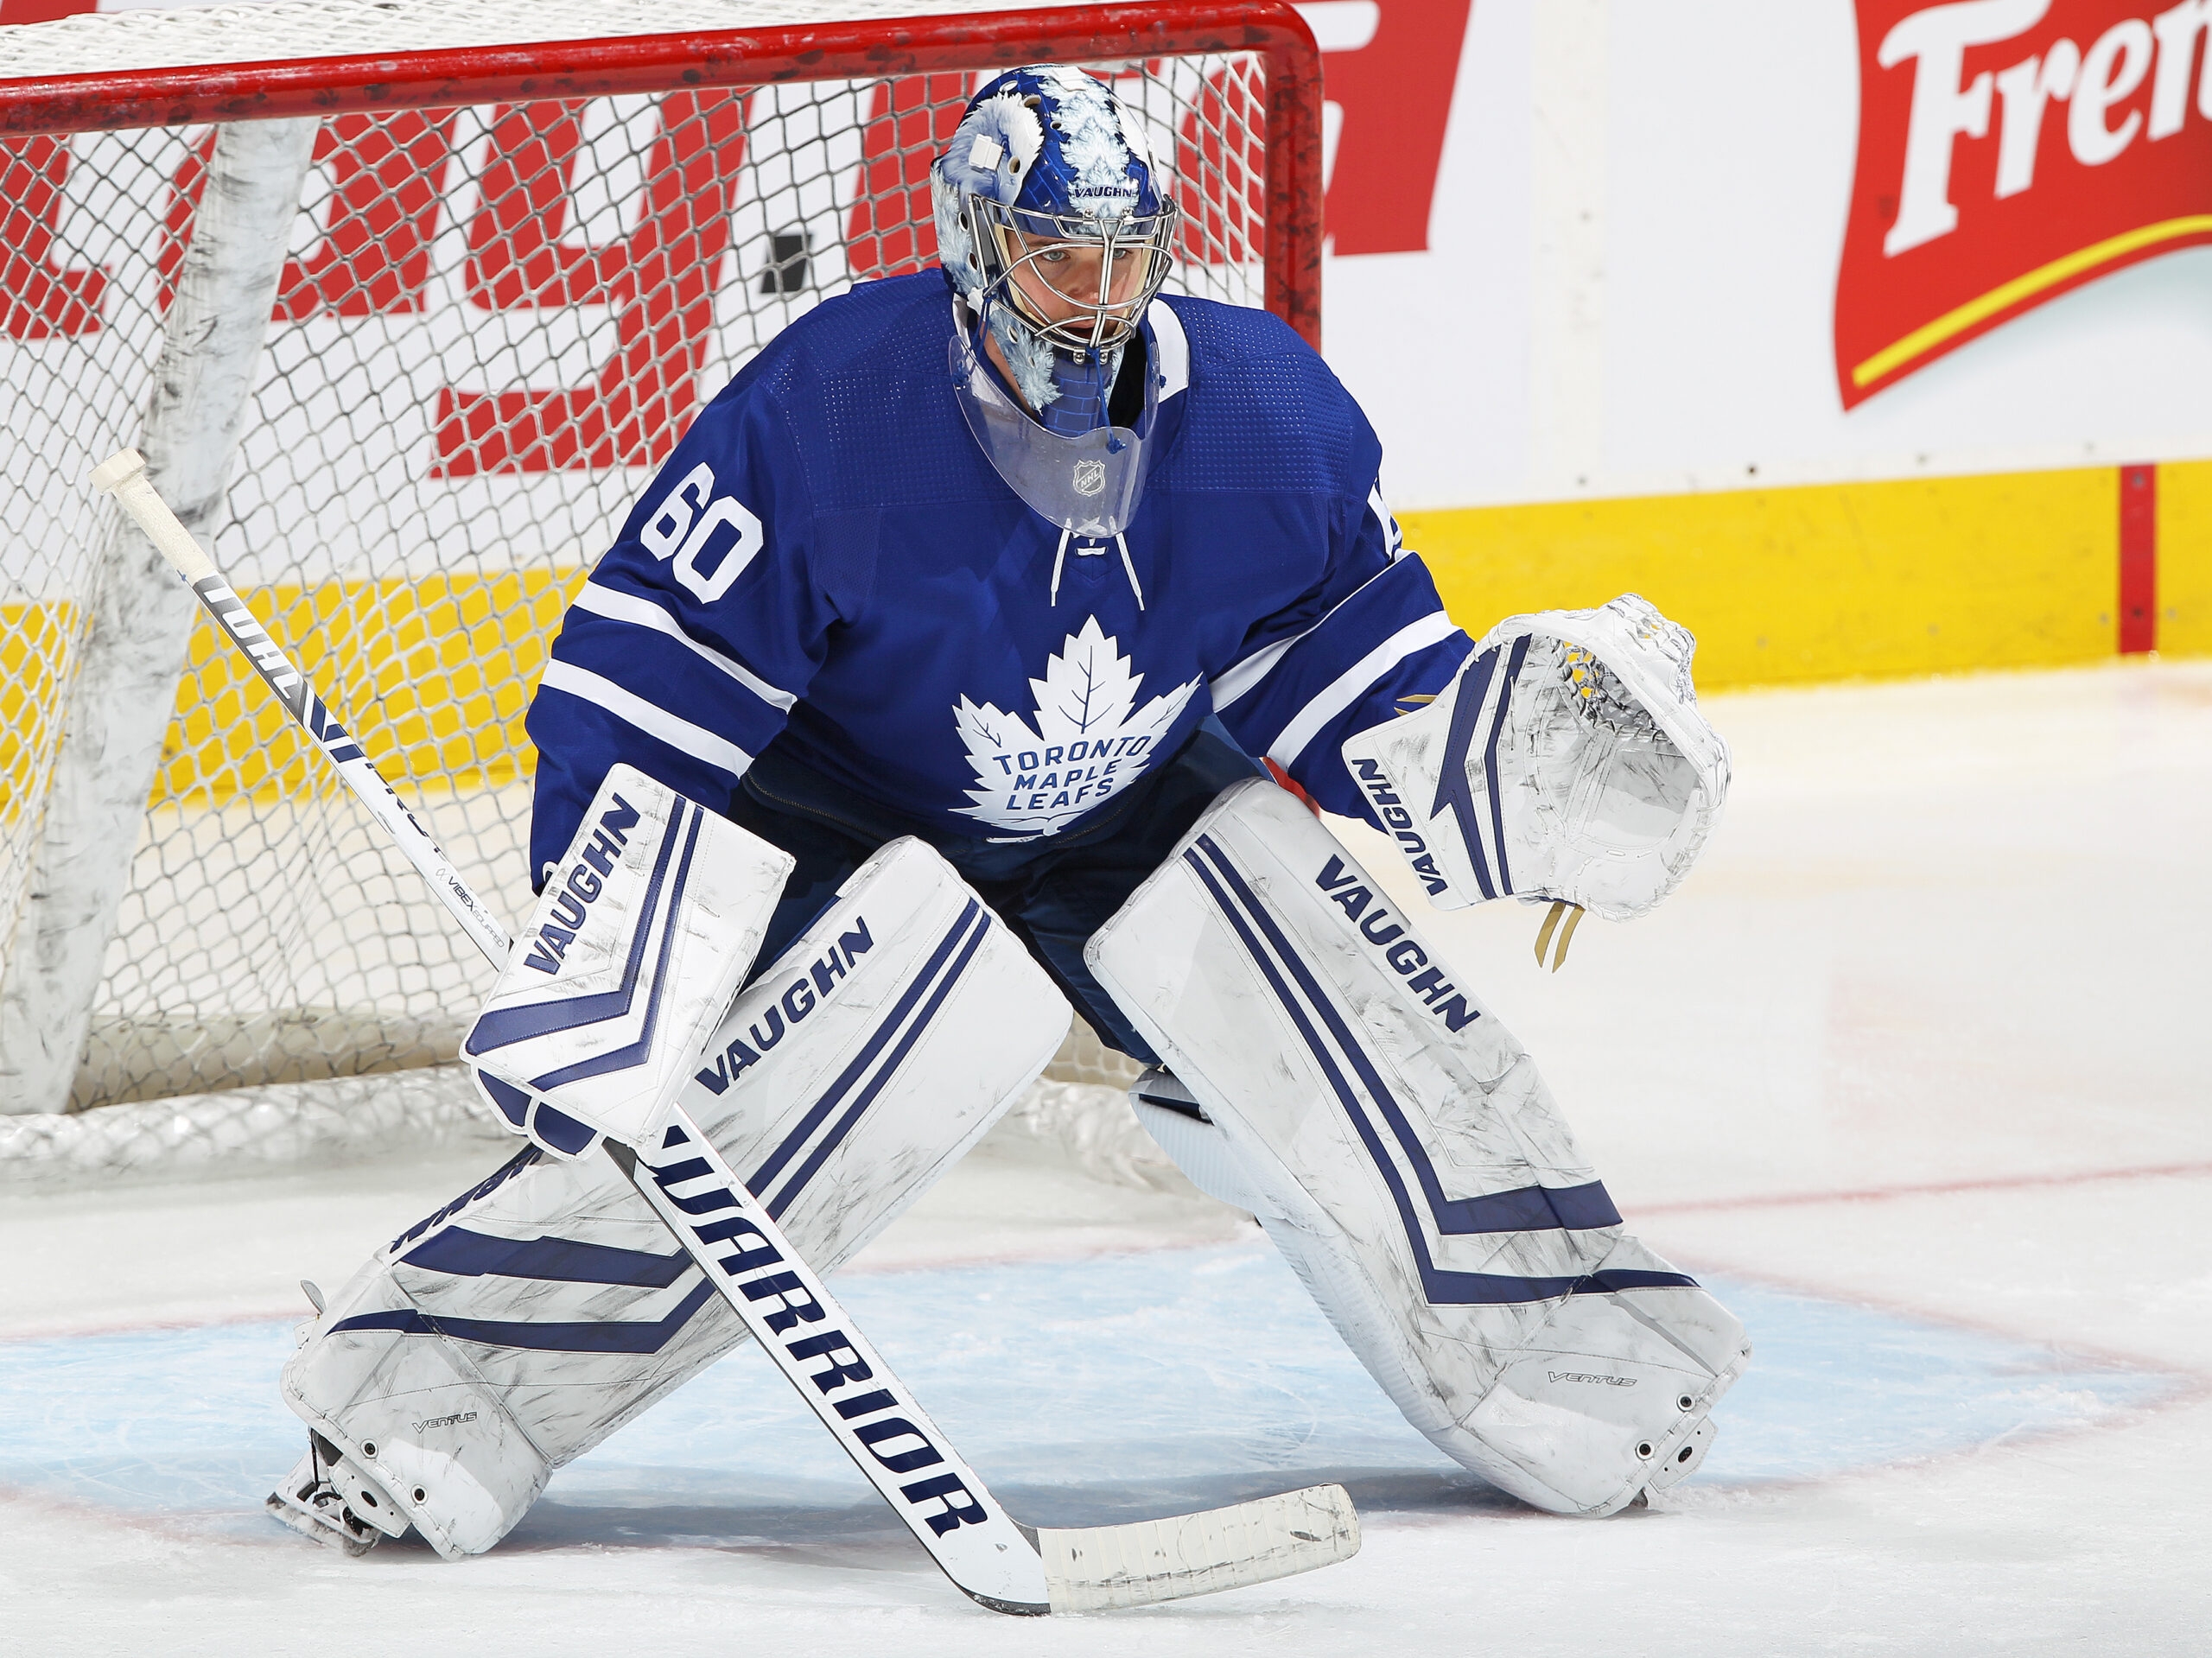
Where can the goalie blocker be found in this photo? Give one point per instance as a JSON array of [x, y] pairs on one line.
[[1338, 1081], [641, 937]]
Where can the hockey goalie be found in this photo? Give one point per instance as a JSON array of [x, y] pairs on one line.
[[969, 613]]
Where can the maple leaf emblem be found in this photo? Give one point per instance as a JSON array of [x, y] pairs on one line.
[[1088, 739]]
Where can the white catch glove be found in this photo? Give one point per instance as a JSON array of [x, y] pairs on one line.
[[1568, 762]]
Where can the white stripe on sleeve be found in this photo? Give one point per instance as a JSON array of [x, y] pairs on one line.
[[1239, 681], [655, 721], [643, 612], [1354, 682], [1394, 542], [1174, 365]]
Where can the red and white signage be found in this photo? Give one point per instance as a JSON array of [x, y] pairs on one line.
[[1394, 89], [1611, 230], [1391, 80], [2009, 151]]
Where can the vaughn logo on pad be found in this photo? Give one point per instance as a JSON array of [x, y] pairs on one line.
[[581, 883], [642, 937]]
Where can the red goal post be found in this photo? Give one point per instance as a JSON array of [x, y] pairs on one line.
[[469, 214]]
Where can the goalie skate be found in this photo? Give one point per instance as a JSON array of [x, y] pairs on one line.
[[309, 1501]]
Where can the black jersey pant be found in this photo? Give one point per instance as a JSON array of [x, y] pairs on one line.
[[1054, 892]]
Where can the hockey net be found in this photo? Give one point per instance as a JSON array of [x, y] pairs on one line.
[[511, 274]]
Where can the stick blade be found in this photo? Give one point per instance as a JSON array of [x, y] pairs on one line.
[[1097, 1568]]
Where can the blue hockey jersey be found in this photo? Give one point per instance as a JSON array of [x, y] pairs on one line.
[[829, 562]]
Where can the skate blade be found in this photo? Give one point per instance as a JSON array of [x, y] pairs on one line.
[[311, 1523]]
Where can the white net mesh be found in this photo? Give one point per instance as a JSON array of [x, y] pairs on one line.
[[494, 320], [242, 1131], [273, 31]]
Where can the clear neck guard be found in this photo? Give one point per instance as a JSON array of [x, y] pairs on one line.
[[1086, 486]]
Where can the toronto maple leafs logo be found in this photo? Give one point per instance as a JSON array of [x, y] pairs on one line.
[[1089, 741]]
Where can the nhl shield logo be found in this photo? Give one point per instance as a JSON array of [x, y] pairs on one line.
[[1089, 477]]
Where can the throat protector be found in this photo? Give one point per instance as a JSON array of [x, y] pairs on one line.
[[1086, 486]]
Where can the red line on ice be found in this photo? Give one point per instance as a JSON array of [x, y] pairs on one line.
[[1884, 1194]]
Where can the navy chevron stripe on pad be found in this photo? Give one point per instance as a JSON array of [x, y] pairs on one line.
[[1631, 1277], [623, 1058], [1442, 1287], [603, 1336], [885, 1032], [505, 1026], [1528, 1208], [464, 1253]]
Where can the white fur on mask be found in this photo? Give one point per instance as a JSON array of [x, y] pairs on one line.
[[1092, 140], [1028, 356], [991, 155]]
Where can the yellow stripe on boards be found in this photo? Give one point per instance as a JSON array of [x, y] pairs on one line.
[[1826, 582], [434, 677], [2185, 558], [1926, 338]]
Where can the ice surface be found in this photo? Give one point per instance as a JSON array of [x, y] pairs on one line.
[[1910, 1070], [1150, 1383]]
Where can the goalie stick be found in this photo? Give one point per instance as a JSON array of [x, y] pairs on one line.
[[995, 1562]]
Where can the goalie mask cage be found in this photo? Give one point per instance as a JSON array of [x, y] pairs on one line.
[[403, 333]]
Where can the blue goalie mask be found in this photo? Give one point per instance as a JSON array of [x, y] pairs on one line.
[[1055, 235]]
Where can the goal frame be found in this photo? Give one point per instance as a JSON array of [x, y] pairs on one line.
[[253, 99], [372, 82]]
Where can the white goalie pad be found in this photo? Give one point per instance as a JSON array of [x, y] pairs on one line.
[[1400, 1148], [643, 934], [519, 1326], [1569, 761]]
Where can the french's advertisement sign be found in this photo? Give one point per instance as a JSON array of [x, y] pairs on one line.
[[2009, 151]]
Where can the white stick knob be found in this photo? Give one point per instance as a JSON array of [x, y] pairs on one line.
[[122, 475]]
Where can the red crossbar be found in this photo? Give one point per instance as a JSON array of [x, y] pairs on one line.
[[827, 51]]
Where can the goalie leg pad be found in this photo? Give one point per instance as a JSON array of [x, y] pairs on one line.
[[519, 1326], [1398, 1145]]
